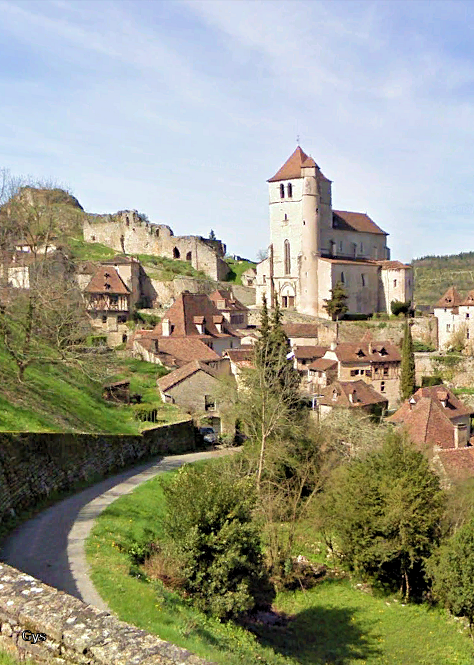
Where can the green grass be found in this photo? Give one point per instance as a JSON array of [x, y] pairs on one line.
[[237, 268], [7, 659], [56, 398], [333, 623], [165, 269], [89, 251]]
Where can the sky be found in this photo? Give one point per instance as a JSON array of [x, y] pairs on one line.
[[183, 109]]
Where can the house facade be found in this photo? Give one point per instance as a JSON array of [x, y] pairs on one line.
[[351, 395], [313, 247], [454, 314], [108, 304]]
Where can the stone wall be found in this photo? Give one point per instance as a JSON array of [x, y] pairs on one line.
[[126, 232], [68, 631], [34, 465]]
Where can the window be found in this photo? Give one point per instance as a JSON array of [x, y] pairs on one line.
[[209, 403], [286, 217], [368, 372], [93, 238], [287, 258], [343, 279], [467, 315], [124, 338], [290, 190], [448, 327], [385, 371], [282, 191], [361, 247], [363, 279], [354, 372], [284, 301], [176, 253], [189, 256], [104, 318], [113, 300], [122, 318], [264, 279], [382, 386], [340, 245], [394, 283]]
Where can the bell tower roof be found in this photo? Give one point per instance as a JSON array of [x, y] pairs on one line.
[[291, 169]]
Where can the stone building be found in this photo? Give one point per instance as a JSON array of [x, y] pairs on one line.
[[108, 304], [232, 309], [313, 247], [454, 314], [351, 395], [435, 417], [375, 363], [130, 233]]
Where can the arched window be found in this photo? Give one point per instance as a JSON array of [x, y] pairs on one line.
[[282, 191], [343, 279], [287, 258], [176, 253], [290, 190], [188, 256]]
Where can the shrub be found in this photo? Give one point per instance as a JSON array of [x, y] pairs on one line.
[[209, 525], [422, 346], [400, 307], [427, 381]]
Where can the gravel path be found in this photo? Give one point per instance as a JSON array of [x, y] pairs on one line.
[[50, 546]]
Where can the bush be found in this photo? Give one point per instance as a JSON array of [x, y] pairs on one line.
[[422, 346], [400, 307], [209, 525], [427, 381]]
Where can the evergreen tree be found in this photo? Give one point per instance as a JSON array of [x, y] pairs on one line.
[[336, 306], [407, 377], [212, 235]]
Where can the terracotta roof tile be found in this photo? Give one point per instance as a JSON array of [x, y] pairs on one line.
[[239, 355], [107, 280], [355, 221], [469, 299], [348, 352], [184, 372], [189, 309], [323, 364], [362, 395], [309, 351], [300, 330], [394, 265], [291, 169], [231, 303], [458, 463], [450, 299]]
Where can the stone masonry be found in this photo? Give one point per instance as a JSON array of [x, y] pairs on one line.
[[69, 632], [127, 232]]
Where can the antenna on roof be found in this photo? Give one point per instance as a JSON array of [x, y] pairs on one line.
[[298, 139]]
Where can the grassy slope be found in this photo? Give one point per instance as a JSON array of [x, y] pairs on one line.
[[237, 268], [58, 398], [334, 622], [6, 659], [433, 275]]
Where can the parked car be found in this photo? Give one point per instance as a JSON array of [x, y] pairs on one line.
[[208, 434]]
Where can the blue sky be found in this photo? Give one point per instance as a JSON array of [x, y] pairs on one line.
[[184, 109]]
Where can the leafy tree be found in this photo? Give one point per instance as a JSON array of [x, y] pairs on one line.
[[336, 306], [452, 572], [212, 235], [262, 254], [384, 511], [407, 370], [400, 307], [209, 521]]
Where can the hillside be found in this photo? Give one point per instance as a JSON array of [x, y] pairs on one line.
[[434, 274], [58, 398]]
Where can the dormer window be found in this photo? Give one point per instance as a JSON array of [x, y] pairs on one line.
[[106, 275], [334, 395], [107, 286], [282, 191], [221, 304], [360, 353]]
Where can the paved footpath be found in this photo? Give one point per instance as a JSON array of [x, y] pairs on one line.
[[50, 546]]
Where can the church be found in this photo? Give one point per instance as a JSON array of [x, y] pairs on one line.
[[313, 247]]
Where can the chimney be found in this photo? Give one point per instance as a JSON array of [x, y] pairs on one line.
[[370, 348], [352, 395], [333, 346], [411, 402], [165, 328], [460, 435]]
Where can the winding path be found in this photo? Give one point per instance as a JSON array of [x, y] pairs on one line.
[[50, 546]]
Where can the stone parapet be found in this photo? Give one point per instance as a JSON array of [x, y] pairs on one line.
[[49, 626]]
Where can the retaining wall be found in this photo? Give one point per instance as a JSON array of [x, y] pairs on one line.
[[34, 465], [70, 632]]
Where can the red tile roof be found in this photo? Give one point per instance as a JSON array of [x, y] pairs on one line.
[[451, 298], [323, 364], [291, 169], [469, 299], [293, 330], [362, 395], [309, 351], [107, 280], [230, 303], [457, 463], [374, 352], [239, 355], [192, 308], [355, 221], [183, 373], [176, 350], [394, 265], [426, 420]]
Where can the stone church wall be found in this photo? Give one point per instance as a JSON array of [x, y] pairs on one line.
[[71, 632], [126, 232]]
